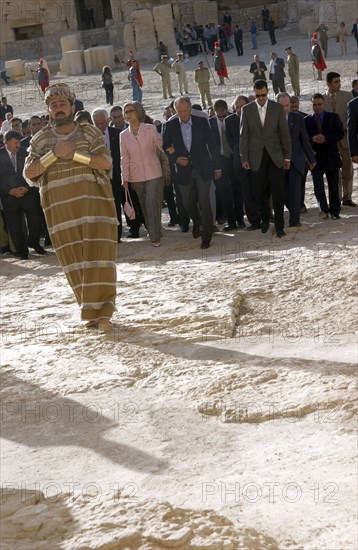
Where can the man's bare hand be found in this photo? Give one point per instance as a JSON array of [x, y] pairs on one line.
[[246, 165], [355, 159], [182, 161]]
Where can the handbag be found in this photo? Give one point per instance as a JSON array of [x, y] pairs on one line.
[[128, 206], [164, 162]]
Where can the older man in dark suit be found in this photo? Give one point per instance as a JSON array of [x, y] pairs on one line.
[[101, 120], [301, 149], [265, 150], [18, 199], [325, 131], [352, 123], [190, 142]]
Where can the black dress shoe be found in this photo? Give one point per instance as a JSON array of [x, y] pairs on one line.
[[230, 227], [241, 224], [133, 235], [295, 224], [196, 231], [336, 217], [349, 203], [185, 228], [5, 249], [39, 250], [253, 227], [204, 245], [265, 227], [280, 233], [21, 255], [172, 223]]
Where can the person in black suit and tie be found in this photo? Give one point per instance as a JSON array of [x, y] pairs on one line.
[[101, 120], [265, 150], [242, 185], [325, 130], [301, 148], [277, 73], [190, 142], [18, 199], [352, 128]]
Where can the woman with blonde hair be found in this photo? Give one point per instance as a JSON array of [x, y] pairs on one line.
[[342, 37], [140, 145]]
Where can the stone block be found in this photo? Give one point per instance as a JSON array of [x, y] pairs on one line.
[[164, 26], [145, 38], [97, 58], [70, 42], [73, 63]]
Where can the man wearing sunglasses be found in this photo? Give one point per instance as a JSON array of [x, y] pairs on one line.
[[265, 150]]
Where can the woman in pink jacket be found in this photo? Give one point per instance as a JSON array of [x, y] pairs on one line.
[[141, 167]]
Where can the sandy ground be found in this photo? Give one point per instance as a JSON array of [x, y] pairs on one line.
[[219, 413]]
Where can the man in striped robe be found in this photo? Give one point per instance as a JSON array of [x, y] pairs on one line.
[[70, 164]]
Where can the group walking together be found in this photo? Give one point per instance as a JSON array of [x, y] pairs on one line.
[[77, 174]]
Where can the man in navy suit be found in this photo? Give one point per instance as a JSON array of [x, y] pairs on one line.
[[242, 186], [101, 120], [224, 185], [190, 142], [325, 130], [301, 147], [352, 122], [18, 199]]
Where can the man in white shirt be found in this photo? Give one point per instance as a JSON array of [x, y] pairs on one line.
[[265, 150]]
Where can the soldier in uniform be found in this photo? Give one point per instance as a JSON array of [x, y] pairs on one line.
[[202, 78], [179, 67], [163, 69], [317, 56]]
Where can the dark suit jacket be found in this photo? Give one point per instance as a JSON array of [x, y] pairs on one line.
[[25, 142], [301, 144], [115, 153], [203, 154], [238, 36], [262, 68], [8, 177], [213, 121], [352, 122], [232, 125], [279, 70], [327, 154], [274, 136]]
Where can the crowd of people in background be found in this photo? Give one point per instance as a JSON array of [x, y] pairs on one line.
[[238, 178]]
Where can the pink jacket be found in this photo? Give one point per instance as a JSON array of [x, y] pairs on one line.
[[139, 160]]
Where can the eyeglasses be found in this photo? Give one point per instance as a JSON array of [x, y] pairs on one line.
[[129, 111], [260, 95]]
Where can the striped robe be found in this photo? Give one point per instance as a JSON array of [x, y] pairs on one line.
[[81, 218]]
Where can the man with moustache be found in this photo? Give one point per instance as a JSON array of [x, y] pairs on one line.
[[265, 150], [70, 163]]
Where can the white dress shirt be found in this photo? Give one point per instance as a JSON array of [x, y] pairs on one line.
[[262, 112]]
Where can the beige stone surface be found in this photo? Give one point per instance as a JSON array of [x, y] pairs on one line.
[[73, 63], [220, 412], [163, 24], [70, 42], [145, 39], [96, 58]]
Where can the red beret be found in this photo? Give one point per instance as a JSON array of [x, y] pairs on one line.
[[315, 36]]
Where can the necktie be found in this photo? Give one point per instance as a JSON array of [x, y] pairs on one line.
[[333, 101], [13, 160], [227, 152], [319, 125]]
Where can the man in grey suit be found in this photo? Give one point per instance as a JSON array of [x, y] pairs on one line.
[[336, 101], [277, 73], [301, 147], [265, 149]]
